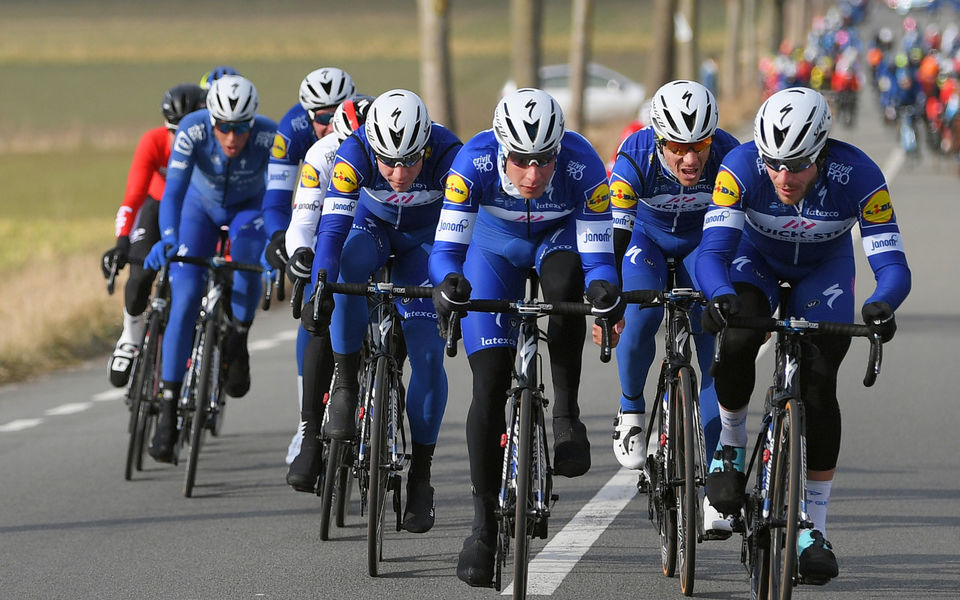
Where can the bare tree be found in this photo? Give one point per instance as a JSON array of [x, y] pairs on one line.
[[435, 60], [661, 66], [729, 83], [748, 49], [525, 33], [579, 57], [688, 49]]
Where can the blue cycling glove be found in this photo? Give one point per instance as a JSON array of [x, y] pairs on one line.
[[161, 253]]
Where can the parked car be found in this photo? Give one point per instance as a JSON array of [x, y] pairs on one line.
[[609, 96]]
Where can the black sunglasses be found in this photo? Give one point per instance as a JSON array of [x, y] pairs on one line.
[[793, 165], [321, 118], [540, 159], [403, 161]]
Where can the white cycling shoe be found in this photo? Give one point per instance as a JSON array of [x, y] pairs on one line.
[[715, 525], [628, 440]]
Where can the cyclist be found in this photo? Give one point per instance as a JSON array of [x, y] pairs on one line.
[[545, 201], [136, 222], [300, 240], [660, 188], [215, 177], [306, 122], [385, 192], [216, 73], [783, 208]]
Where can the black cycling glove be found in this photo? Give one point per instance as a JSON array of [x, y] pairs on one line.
[[118, 254], [300, 264], [319, 325], [454, 290], [276, 252], [879, 317], [715, 315], [605, 297]]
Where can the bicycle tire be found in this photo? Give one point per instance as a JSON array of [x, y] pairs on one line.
[[205, 387], [143, 391], [524, 507], [785, 502], [685, 454], [665, 505], [757, 527], [328, 491], [343, 488], [379, 467]]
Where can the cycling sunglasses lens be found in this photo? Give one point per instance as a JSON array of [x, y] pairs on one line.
[[405, 161], [793, 165], [321, 118], [525, 160], [239, 127], [682, 148]]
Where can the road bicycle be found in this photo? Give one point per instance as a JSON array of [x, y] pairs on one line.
[[379, 454], [143, 392], [202, 407], [775, 508], [526, 489], [674, 474]]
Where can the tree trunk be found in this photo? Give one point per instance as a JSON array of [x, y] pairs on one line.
[[748, 49], [525, 32], [435, 60], [661, 66], [729, 83], [688, 49], [579, 57]]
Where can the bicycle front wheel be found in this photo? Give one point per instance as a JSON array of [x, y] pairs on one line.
[[664, 500], [685, 466], [525, 506], [785, 502], [379, 466], [205, 387], [142, 394]]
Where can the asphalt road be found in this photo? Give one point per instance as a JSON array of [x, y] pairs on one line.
[[71, 527]]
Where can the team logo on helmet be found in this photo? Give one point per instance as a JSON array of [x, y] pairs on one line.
[[600, 199], [456, 190], [344, 178], [622, 194], [279, 149], [726, 192], [309, 177], [878, 209]]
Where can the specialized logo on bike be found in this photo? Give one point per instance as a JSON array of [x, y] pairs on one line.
[[622, 194], [309, 177], [878, 209], [344, 178], [279, 149], [599, 200], [456, 189], [726, 192]]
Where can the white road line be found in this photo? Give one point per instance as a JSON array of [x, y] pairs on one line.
[[20, 425], [273, 342], [565, 550], [114, 394], [68, 409], [893, 164]]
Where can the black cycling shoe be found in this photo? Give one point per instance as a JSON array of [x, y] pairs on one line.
[[342, 424], [818, 564], [475, 564], [304, 472], [571, 448], [419, 514], [165, 435], [726, 481]]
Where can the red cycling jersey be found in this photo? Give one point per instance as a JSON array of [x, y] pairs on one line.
[[147, 176]]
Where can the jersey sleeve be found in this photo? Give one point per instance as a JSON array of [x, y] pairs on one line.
[[148, 159], [883, 245], [626, 185], [186, 143], [281, 178], [311, 190], [461, 204], [595, 234], [350, 171], [722, 228]]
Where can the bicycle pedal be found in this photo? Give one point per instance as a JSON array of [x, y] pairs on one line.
[[643, 484]]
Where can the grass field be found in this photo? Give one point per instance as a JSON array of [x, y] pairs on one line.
[[83, 79]]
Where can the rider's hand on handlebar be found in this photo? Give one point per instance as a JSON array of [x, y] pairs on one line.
[[319, 325], [452, 291], [879, 317], [160, 254], [300, 264], [276, 251], [615, 332], [717, 310], [118, 254], [605, 298]]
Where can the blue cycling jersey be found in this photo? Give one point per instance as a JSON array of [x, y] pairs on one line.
[[356, 180], [647, 191], [512, 227], [795, 240], [199, 167], [295, 135]]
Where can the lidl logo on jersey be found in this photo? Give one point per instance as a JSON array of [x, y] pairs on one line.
[[726, 192], [600, 199], [279, 149], [456, 190], [309, 177], [878, 209], [344, 178], [622, 194]]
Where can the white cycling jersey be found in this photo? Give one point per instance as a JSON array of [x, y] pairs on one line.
[[311, 189]]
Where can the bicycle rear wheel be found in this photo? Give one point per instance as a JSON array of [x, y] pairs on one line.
[[785, 502], [206, 386], [685, 457], [328, 491], [525, 508], [379, 466], [142, 393], [664, 502]]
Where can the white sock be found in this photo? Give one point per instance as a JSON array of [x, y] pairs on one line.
[[132, 329], [818, 496], [734, 427]]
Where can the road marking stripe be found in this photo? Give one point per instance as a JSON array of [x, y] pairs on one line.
[[68, 409], [20, 425], [114, 394], [564, 551]]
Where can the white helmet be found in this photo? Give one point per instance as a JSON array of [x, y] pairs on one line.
[[325, 87], [350, 115], [232, 98], [793, 123], [398, 125], [528, 121], [683, 111]]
